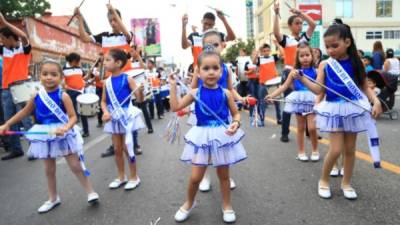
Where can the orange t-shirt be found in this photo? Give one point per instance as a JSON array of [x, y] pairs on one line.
[[267, 69], [73, 77], [15, 64], [289, 44]]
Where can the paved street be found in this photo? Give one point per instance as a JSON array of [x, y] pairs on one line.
[[273, 188]]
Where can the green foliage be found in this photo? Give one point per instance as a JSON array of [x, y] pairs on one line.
[[232, 52], [13, 9]]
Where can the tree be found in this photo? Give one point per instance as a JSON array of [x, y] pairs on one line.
[[232, 52], [13, 9]]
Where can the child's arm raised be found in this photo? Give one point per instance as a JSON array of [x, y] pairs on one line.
[[26, 111], [311, 23], [276, 29], [84, 36], [106, 114], [316, 88], [176, 104], [69, 107], [234, 126], [121, 25], [230, 35], [184, 41], [139, 92], [283, 87], [15, 30], [195, 78]]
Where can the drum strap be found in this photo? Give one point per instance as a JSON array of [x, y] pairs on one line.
[[371, 124], [63, 117], [119, 114]]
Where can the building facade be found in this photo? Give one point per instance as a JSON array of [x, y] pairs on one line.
[[370, 20], [250, 18]]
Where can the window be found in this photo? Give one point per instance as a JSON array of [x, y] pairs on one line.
[[384, 8], [260, 23], [392, 34], [344, 8], [373, 35], [308, 1]]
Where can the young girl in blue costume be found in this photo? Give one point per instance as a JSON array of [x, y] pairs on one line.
[[301, 101], [62, 140], [209, 142], [121, 116], [342, 119], [213, 38]]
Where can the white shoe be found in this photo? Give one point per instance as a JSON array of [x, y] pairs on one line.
[[302, 157], [341, 172], [315, 156], [48, 205], [324, 192], [93, 198], [335, 172], [232, 183], [117, 183], [349, 193], [132, 184], [229, 216], [183, 214], [205, 184]]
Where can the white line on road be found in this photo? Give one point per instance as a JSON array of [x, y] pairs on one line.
[[88, 145]]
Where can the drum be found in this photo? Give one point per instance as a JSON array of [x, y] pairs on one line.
[[273, 84], [140, 78], [88, 104], [22, 91]]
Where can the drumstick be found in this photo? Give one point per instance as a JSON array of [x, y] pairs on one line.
[[213, 8], [9, 133], [70, 20], [333, 91], [200, 102]]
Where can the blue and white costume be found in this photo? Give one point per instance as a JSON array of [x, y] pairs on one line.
[[301, 100], [336, 114], [207, 143], [52, 146], [223, 82]]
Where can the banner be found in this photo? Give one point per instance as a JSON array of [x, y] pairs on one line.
[[147, 34]]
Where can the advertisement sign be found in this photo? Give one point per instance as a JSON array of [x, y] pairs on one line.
[[146, 33]]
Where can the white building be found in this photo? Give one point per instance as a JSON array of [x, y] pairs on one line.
[[370, 20]]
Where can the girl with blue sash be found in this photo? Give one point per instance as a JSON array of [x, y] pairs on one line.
[[54, 114], [346, 110]]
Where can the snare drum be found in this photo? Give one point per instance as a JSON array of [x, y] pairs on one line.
[[273, 84], [24, 90], [140, 78], [88, 104], [164, 91]]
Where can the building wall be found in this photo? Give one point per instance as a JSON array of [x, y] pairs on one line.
[[363, 20]]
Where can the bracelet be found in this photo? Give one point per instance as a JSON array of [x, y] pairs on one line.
[[238, 122]]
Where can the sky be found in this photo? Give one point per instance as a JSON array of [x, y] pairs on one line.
[[169, 13]]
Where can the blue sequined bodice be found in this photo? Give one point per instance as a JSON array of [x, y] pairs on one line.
[[298, 85], [223, 81], [217, 101], [43, 115], [333, 81], [121, 88]]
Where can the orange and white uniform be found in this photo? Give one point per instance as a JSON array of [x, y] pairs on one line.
[[196, 40], [73, 78], [289, 44], [15, 64], [250, 66], [267, 69], [111, 40]]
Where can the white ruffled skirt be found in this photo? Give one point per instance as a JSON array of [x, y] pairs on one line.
[[134, 114], [299, 102], [52, 146], [212, 146], [341, 117]]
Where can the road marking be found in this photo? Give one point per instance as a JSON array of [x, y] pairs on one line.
[[88, 145], [359, 154]]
